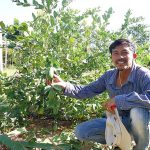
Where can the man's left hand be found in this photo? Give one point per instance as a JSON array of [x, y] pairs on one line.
[[109, 105]]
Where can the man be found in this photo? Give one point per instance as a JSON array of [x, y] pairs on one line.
[[128, 86]]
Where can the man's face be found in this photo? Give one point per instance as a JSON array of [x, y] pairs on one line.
[[122, 57]]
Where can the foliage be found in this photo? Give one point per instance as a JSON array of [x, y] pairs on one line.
[[61, 38], [11, 144], [11, 36], [66, 144]]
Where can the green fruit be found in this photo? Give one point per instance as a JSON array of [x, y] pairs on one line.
[[51, 72]]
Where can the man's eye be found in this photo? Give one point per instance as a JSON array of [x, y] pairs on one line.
[[125, 53], [115, 53]]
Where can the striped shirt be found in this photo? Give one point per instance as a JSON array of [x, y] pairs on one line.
[[134, 93]]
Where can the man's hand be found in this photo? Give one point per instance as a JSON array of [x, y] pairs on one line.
[[56, 81], [109, 105]]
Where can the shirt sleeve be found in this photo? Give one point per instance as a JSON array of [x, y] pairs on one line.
[[88, 91], [135, 99]]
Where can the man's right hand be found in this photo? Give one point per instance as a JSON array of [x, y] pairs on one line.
[[56, 81]]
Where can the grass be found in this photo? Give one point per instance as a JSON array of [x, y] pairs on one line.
[[10, 70]]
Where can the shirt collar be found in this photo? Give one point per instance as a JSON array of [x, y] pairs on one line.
[[113, 77], [131, 77]]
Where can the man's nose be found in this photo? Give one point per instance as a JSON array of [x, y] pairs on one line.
[[121, 56]]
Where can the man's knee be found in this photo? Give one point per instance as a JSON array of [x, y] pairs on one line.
[[139, 119], [140, 126], [79, 132], [92, 130]]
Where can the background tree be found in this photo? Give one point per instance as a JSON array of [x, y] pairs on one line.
[[62, 38]]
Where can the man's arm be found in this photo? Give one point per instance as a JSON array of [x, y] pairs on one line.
[[79, 91], [135, 99], [88, 91]]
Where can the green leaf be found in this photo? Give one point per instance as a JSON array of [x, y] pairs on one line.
[[40, 111], [19, 3], [26, 4], [48, 2], [34, 16], [65, 146], [2, 25], [40, 6], [72, 40], [11, 144], [25, 1], [38, 145], [57, 88], [16, 21], [55, 14], [51, 95], [4, 107], [47, 89], [37, 5], [52, 20], [35, 2], [23, 26], [11, 45], [64, 3]]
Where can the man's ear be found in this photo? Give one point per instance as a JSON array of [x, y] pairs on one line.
[[134, 55]]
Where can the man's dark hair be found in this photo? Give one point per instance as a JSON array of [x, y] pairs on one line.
[[121, 42]]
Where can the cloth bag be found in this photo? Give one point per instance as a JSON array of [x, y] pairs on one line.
[[116, 134]]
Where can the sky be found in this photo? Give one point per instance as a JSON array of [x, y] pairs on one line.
[[9, 10]]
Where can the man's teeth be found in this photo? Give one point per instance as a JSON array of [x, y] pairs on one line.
[[120, 62]]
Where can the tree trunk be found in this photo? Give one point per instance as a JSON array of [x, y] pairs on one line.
[[6, 53], [1, 54]]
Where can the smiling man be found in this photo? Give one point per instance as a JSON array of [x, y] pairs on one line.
[[128, 86]]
